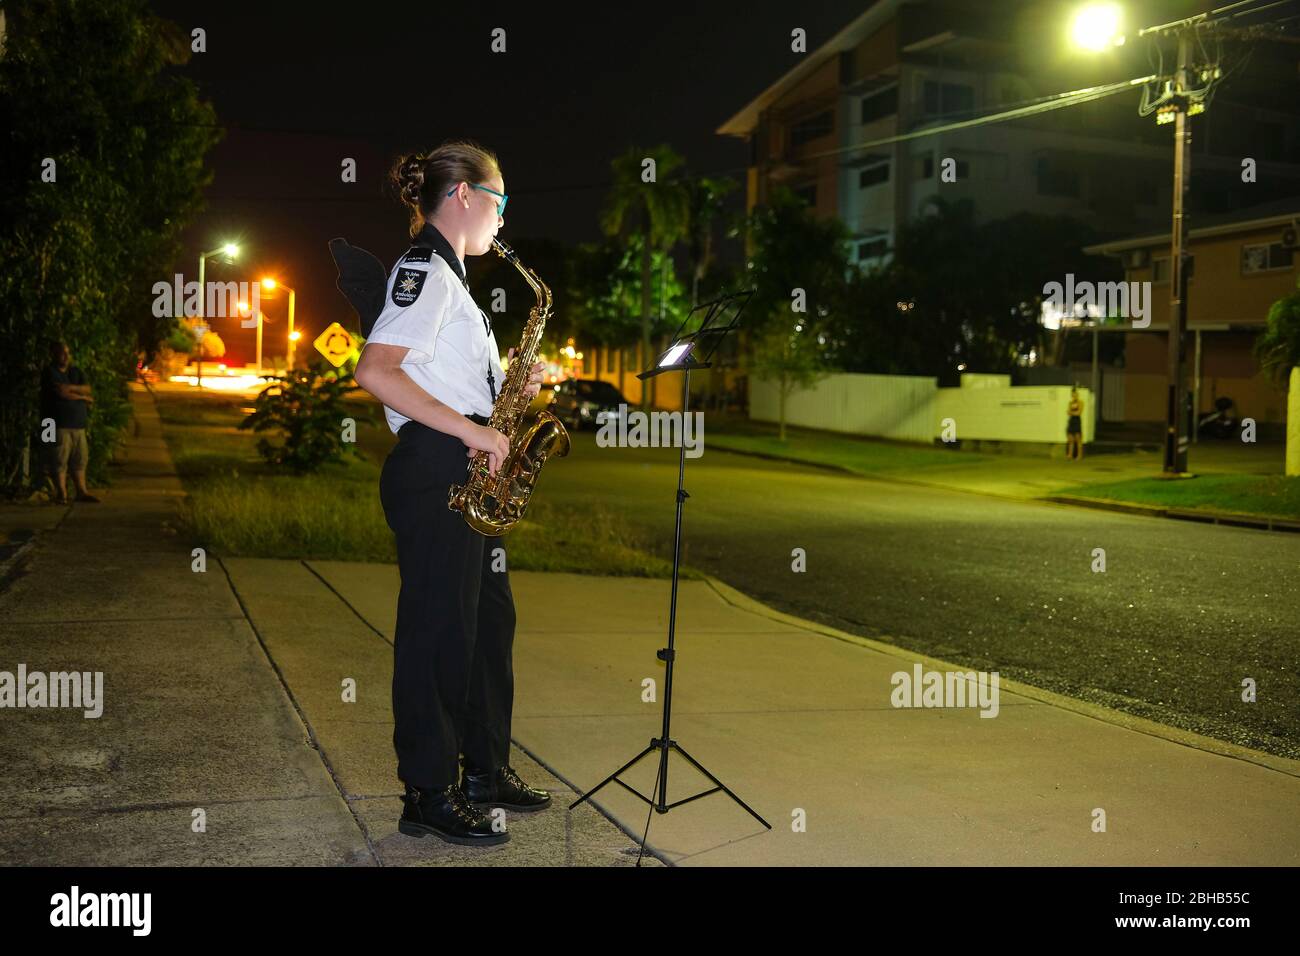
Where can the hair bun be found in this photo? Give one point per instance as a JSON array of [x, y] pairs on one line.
[[410, 178]]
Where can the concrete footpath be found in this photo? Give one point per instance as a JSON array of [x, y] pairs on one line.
[[208, 750], [223, 692]]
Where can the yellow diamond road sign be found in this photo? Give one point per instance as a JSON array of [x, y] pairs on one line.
[[336, 344]]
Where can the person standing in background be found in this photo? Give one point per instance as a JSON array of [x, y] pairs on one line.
[[65, 398], [1074, 430]]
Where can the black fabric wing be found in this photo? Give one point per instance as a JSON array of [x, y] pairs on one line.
[[363, 281]]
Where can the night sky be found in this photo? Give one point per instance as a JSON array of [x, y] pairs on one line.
[[298, 87]]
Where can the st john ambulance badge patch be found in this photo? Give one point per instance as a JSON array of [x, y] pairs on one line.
[[407, 285]]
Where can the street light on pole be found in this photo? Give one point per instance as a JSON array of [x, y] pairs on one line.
[[231, 252], [270, 285], [1176, 427], [1097, 27], [245, 309]]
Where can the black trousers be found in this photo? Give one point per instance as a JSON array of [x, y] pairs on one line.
[[453, 680]]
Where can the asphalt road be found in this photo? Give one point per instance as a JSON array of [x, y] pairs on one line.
[[1182, 615]]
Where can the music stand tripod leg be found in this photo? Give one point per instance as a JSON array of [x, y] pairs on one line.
[[721, 786], [611, 777]]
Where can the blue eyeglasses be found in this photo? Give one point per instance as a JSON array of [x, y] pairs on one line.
[[501, 206]]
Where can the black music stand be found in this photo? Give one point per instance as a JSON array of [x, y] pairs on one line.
[[687, 351]]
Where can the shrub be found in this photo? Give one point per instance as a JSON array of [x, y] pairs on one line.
[[306, 406]]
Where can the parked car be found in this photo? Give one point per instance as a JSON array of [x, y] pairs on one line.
[[585, 402]]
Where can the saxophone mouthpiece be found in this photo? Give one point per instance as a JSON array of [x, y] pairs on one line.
[[504, 251]]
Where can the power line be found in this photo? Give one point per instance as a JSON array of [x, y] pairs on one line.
[[1244, 13], [1055, 102]]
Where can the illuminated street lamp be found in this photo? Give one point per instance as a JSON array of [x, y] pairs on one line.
[[270, 285], [244, 309], [1096, 27], [231, 252]]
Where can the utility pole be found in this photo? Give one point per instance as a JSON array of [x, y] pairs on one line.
[[203, 320], [1179, 415], [1176, 403]]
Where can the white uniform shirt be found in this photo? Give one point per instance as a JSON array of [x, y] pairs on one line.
[[452, 349]]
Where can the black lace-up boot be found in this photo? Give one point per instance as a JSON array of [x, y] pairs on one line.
[[445, 813], [502, 788]]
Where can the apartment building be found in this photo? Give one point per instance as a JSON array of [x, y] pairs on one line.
[[907, 66]]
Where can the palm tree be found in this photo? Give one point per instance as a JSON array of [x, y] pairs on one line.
[[705, 208], [1278, 347], [658, 209]]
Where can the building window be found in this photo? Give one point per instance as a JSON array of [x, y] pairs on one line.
[[879, 104], [609, 359], [807, 193], [814, 127], [944, 98], [1057, 180], [873, 175], [1265, 257]]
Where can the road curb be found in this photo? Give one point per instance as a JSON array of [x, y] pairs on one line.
[[1106, 715], [1234, 519], [874, 476]]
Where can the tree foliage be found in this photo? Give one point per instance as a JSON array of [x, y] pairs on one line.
[[1278, 346], [101, 168], [795, 261], [606, 291], [957, 292], [797, 267], [657, 209]]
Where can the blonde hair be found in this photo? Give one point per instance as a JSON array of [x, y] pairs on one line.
[[424, 179]]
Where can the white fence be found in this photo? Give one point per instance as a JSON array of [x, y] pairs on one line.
[[886, 406], [913, 408]]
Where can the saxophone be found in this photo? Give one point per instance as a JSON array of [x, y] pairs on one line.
[[492, 504]]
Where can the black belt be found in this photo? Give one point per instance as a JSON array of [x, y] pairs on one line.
[[411, 427]]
